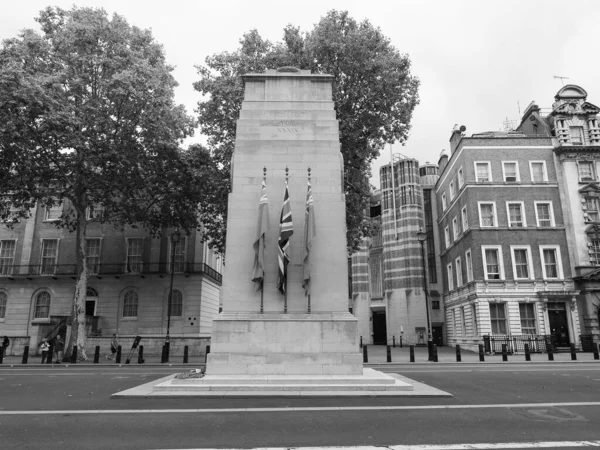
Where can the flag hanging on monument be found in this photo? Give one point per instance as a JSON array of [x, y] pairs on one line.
[[286, 230], [258, 273], [309, 234]]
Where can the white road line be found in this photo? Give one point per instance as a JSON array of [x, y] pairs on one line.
[[506, 445], [292, 409]]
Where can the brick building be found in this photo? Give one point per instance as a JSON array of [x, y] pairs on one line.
[[128, 288]]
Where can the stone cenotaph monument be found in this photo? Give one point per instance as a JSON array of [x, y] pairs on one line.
[[264, 341]]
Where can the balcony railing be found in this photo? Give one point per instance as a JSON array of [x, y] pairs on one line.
[[58, 270], [515, 343]]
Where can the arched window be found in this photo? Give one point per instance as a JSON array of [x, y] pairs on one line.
[[3, 300], [91, 292], [130, 304], [42, 305], [176, 304]]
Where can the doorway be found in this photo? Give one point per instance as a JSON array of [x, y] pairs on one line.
[[379, 328], [437, 335], [559, 324]]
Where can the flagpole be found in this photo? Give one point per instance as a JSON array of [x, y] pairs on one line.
[[306, 225], [262, 283], [287, 174]]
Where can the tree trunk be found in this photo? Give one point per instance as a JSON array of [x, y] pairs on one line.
[[78, 326]]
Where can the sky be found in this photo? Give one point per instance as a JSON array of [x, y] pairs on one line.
[[480, 63]]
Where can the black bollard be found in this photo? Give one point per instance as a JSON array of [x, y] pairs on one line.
[[97, 354], [163, 355], [141, 355], [412, 353], [118, 358], [207, 352], [25, 355], [434, 353], [458, 357], [504, 353], [527, 353], [365, 354], [1, 354], [573, 353], [394, 341], [50, 353], [74, 355], [481, 353], [185, 354], [595, 351], [400, 341], [550, 352], [389, 354]]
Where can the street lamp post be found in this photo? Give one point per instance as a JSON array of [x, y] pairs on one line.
[[422, 237], [175, 237]]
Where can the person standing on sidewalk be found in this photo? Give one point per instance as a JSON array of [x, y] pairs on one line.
[[44, 347], [5, 344], [114, 345], [59, 348]]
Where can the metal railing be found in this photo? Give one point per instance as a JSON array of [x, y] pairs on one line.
[[57, 270], [515, 343]]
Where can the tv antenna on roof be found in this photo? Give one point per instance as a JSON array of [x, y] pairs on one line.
[[561, 79]]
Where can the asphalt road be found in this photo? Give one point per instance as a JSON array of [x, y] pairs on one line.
[[70, 408]]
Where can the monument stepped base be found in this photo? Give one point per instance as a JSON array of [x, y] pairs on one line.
[[371, 384]]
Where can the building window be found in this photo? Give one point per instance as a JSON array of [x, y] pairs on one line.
[[376, 275], [130, 304], [53, 212], [591, 208], [134, 255], [94, 212], [576, 135], [498, 318], [474, 320], [435, 304], [92, 256], [455, 228], [487, 214], [176, 304], [510, 169], [447, 236], [42, 306], [459, 276], [551, 265], [586, 171], [538, 171], [469, 263], [444, 203], [483, 172], [465, 219], [516, 218], [452, 191], [492, 262], [522, 264], [544, 214], [461, 178], [527, 312], [450, 278], [179, 261], [463, 322], [7, 256], [49, 255], [3, 301], [594, 249]]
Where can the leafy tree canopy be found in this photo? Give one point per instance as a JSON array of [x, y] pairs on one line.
[[88, 119], [374, 95]]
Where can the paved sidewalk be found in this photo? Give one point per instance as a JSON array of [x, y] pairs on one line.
[[152, 360]]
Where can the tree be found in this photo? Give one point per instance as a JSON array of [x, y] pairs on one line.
[[88, 121], [374, 95]]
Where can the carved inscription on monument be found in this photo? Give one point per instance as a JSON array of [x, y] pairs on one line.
[[285, 126]]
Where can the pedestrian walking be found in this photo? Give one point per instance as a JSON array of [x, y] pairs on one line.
[[59, 348], [114, 345], [45, 348]]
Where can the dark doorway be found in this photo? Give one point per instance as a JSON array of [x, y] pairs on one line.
[[90, 307], [379, 328], [559, 325], [437, 333]]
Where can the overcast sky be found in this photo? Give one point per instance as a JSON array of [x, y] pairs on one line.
[[477, 60]]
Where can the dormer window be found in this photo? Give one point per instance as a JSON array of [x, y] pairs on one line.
[[586, 171], [576, 135]]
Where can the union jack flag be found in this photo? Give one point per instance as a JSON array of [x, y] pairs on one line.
[[258, 272], [309, 234], [286, 230]]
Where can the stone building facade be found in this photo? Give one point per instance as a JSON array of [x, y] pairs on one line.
[[128, 288]]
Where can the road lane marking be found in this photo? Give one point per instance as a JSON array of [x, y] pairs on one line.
[[483, 446], [293, 409]]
